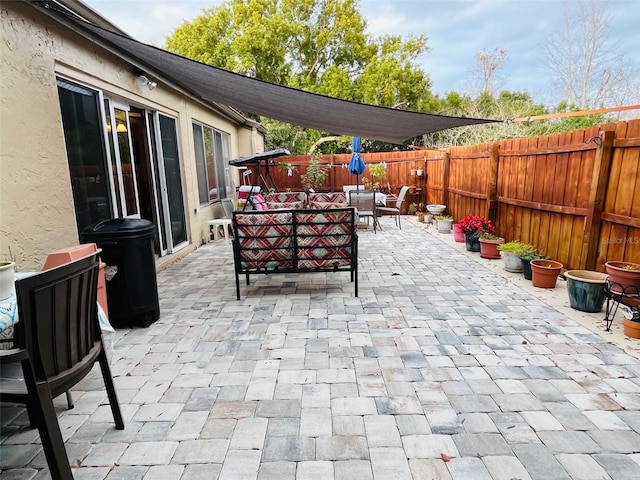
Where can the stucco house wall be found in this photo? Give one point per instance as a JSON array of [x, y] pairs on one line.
[[36, 203]]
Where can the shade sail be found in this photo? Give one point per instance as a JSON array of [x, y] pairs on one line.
[[286, 104]]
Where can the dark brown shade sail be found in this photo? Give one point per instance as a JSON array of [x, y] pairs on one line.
[[274, 101]]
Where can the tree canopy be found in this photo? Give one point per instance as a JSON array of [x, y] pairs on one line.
[[322, 46], [319, 46]]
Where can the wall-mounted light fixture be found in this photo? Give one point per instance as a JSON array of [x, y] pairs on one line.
[[144, 81]]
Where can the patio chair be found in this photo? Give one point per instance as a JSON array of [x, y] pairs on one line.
[[57, 341], [365, 202], [215, 224], [395, 211]]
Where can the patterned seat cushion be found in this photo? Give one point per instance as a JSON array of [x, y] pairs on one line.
[[266, 240], [319, 200]]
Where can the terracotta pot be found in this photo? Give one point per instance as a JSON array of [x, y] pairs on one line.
[[623, 280], [458, 234], [489, 248], [586, 289], [631, 328], [545, 273], [472, 243]]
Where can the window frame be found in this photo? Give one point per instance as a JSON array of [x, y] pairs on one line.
[[220, 148]]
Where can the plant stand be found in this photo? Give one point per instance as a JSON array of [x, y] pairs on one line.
[[618, 294]]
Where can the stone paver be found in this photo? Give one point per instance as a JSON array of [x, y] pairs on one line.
[[441, 368]]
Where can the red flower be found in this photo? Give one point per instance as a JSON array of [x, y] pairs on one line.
[[476, 224]]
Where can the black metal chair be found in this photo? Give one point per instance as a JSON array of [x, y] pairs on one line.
[[57, 341]]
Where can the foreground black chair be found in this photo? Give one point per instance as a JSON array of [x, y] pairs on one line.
[[57, 340]]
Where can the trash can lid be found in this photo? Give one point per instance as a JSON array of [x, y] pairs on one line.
[[121, 227]]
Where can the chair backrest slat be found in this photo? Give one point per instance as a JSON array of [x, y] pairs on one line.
[[58, 316]]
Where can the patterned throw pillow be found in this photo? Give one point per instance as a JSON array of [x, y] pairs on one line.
[[259, 202]]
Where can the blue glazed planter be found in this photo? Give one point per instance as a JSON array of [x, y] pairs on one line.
[[586, 290], [472, 243]]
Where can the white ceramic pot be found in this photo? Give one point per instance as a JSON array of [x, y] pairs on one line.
[[512, 262], [436, 209], [444, 226], [7, 279]]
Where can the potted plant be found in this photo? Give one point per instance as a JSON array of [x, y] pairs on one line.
[[377, 172], [472, 226], [489, 244], [631, 319], [443, 223], [526, 258], [624, 277], [586, 289], [7, 278], [511, 253], [458, 234], [545, 272], [315, 175]]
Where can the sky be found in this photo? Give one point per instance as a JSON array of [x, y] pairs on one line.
[[456, 31]]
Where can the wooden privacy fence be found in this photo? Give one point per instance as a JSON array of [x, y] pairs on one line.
[[574, 195]]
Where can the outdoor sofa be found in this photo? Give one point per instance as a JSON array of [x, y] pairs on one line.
[[295, 241]]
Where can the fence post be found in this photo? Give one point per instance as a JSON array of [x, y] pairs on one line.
[[446, 172], [597, 194], [492, 183]]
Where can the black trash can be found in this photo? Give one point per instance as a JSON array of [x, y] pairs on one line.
[[132, 287]]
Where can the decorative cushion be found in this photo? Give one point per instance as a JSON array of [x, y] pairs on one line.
[[285, 205], [259, 202]]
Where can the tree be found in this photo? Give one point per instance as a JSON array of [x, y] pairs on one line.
[[318, 46], [486, 69], [589, 68]]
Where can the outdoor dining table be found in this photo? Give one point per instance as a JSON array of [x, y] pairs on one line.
[[381, 198], [9, 316]]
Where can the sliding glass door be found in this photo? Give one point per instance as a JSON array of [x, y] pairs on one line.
[[124, 162]]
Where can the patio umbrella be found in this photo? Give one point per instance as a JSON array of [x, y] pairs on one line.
[[356, 165]]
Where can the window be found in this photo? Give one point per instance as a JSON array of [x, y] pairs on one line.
[[212, 163]]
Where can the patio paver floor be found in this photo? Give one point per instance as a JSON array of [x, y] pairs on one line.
[[441, 368]]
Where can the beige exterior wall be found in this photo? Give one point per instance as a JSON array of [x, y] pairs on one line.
[[36, 204]]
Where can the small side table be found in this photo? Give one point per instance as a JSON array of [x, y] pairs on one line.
[[619, 294], [225, 223]]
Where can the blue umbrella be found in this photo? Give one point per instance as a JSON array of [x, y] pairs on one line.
[[356, 165]]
